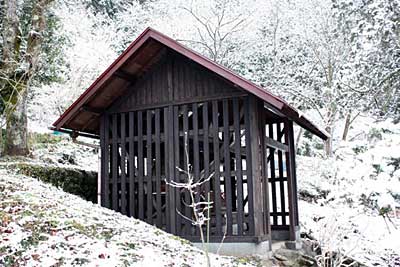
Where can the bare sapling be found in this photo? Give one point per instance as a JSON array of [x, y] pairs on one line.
[[200, 207], [331, 247]]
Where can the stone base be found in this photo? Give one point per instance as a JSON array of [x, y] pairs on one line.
[[280, 235], [294, 245], [262, 249]]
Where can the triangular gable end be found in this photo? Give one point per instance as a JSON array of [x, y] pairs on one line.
[[136, 60], [174, 80]]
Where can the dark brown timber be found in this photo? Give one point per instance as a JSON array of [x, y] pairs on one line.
[[162, 116]]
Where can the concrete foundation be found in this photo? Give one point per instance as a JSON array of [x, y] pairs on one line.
[[296, 244], [280, 235], [262, 249], [293, 245]]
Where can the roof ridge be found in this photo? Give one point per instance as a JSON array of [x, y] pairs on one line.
[[222, 71]]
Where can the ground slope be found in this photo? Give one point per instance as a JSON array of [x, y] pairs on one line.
[[44, 226], [351, 202]]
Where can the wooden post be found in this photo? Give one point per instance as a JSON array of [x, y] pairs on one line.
[[256, 189], [103, 160], [172, 170], [227, 167], [217, 184], [238, 166], [291, 173], [265, 183], [158, 168], [149, 167], [115, 152], [132, 166], [122, 164], [140, 167]]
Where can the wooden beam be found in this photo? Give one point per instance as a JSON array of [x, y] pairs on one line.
[[122, 164], [238, 168], [291, 184], [255, 177], [269, 142], [132, 167], [217, 179], [74, 133], [96, 111], [227, 168], [149, 169], [114, 162], [199, 99], [106, 161], [103, 161], [125, 76], [264, 170]]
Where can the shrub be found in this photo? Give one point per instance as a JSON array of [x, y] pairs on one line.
[[375, 133], [359, 149], [75, 181], [395, 162]]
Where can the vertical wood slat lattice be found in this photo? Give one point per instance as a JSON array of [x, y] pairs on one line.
[[136, 150], [145, 147], [278, 162], [215, 146]]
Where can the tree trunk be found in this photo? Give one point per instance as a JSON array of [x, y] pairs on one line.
[[17, 127], [11, 38], [329, 126], [298, 138], [16, 113], [346, 126], [8, 65], [328, 142]]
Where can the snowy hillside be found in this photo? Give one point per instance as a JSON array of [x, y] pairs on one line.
[[352, 201], [43, 226], [348, 203]]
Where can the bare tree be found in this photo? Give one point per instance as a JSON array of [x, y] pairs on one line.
[[216, 30]]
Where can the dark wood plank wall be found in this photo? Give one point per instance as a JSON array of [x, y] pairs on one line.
[[143, 141], [216, 147], [145, 148], [174, 80]]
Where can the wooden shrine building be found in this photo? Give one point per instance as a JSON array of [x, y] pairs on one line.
[[142, 107]]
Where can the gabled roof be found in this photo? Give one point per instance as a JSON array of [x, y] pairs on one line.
[[83, 114]]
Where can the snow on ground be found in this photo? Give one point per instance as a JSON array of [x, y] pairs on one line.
[[347, 195], [44, 226], [342, 203], [65, 153]]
